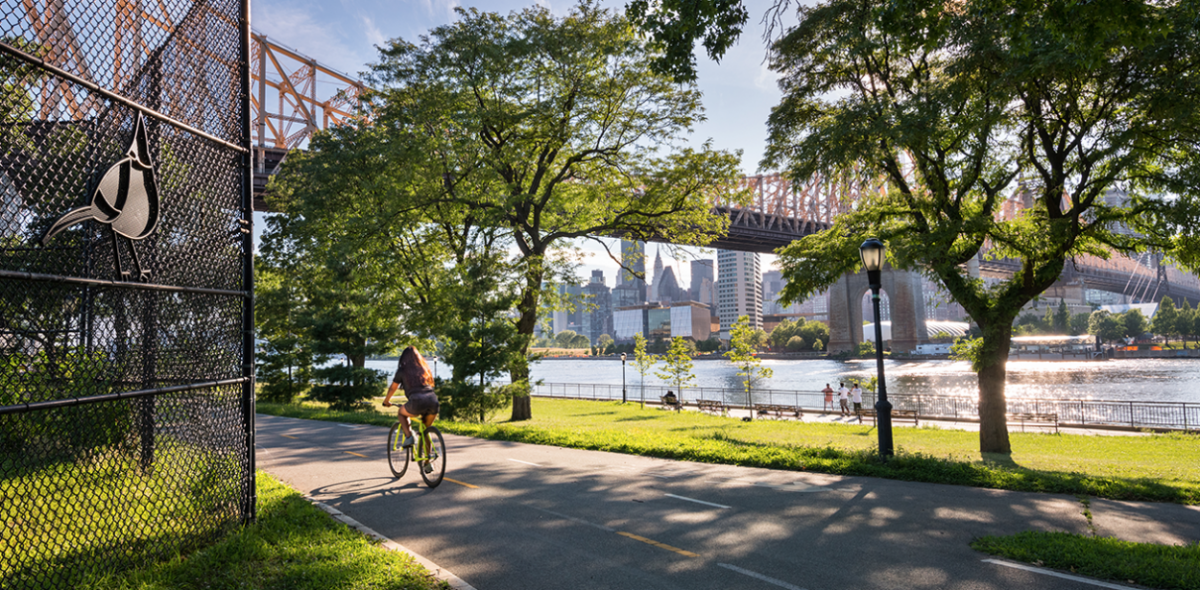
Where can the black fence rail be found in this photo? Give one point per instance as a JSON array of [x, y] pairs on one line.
[[126, 283], [1083, 413]]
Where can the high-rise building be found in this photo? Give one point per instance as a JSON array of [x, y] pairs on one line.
[[633, 257], [703, 281], [773, 284], [597, 317], [739, 289], [667, 288], [569, 319], [656, 293]]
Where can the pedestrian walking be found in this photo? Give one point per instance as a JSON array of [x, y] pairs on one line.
[[828, 391], [844, 398], [856, 399]]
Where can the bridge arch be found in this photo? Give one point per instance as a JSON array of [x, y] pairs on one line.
[[907, 301]]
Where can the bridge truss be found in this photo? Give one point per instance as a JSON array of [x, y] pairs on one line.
[[293, 95]]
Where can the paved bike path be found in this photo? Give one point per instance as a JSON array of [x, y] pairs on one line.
[[518, 516]]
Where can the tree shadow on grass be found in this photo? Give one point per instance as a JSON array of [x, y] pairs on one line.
[[1000, 460], [635, 419]]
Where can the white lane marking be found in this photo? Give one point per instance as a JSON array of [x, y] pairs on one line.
[[697, 501], [573, 519], [525, 462], [759, 576], [1038, 570], [350, 425]]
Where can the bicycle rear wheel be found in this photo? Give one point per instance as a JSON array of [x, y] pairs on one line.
[[397, 455], [435, 450]]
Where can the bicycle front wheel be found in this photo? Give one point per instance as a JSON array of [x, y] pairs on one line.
[[397, 455], [433, 469]]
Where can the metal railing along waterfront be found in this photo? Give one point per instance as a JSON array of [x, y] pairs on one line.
[[1100, 414]]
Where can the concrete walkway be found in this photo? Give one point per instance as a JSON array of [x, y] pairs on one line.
[[518, 516]]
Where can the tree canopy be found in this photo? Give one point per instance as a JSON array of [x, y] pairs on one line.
[[518, 134], [941, 113]]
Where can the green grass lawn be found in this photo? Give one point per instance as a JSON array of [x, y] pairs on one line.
[[292, 546], [1163, 467], [62, 519], [1156, 566]]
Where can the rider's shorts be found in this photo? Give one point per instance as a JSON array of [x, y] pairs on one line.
[[422, 403]]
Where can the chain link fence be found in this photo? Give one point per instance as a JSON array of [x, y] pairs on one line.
[[126, 343]]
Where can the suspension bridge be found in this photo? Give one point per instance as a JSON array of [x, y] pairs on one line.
[[293, 95]]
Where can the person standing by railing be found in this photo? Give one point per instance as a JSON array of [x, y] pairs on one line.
[[844, 398], [828, 391], [856, 399]]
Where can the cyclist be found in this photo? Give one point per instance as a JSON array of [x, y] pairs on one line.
[[413, 374]]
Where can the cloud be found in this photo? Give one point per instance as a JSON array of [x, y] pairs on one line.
[[297, 26], [440, 7], [374, 35]]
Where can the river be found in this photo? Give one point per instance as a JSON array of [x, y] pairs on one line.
[[1175, 380]]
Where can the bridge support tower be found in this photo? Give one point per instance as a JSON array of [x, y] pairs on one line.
[[906, 299]]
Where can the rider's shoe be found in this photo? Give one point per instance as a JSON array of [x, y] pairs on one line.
[[408, 442], [428, 468]]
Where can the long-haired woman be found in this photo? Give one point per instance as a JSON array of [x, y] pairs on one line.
[[414, 376]]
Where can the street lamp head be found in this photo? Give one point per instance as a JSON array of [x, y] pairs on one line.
[[872, 259], [622, 357]]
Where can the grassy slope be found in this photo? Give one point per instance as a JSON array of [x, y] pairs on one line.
[[1162, 468], [1156, 566], [292, 546]]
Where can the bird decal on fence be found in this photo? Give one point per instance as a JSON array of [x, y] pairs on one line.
[[126, 199]]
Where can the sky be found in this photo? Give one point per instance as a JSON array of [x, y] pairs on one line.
[[739, 92]]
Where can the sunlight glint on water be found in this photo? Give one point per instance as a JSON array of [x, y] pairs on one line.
[[1132, 380]]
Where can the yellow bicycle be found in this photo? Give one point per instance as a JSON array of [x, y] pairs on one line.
[[429, 452]]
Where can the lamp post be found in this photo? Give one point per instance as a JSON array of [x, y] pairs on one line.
[[622, 377], [872, 259]]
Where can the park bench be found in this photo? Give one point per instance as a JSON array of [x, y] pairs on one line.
[[671, 403], [897, 415], [1024, 417], [775, 411], [711, 405]]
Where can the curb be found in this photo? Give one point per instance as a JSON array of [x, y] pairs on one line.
[[437, 571]]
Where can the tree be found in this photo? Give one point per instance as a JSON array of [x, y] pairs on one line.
[[1184, 321], [712, 344], [1062, 318], [815, 334], [642, 360], [1166, 320], [784, 331], [1105, 326], [678, 369], [742, 353], [285, 359], [676, 25], [604, 342], [552, 129], [1079, 323], [796, 344], [565, 338], [1134, 323], [950, 107], [580, 341], [479, 340]]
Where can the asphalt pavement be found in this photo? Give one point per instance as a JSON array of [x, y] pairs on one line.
[[513, 516]]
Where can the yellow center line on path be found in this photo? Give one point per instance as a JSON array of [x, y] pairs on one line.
[[356, 454], [465, 485], [657, 544], [289, 436]]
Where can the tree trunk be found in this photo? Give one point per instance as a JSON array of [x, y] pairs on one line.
[[993, 407], [528, 308]]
